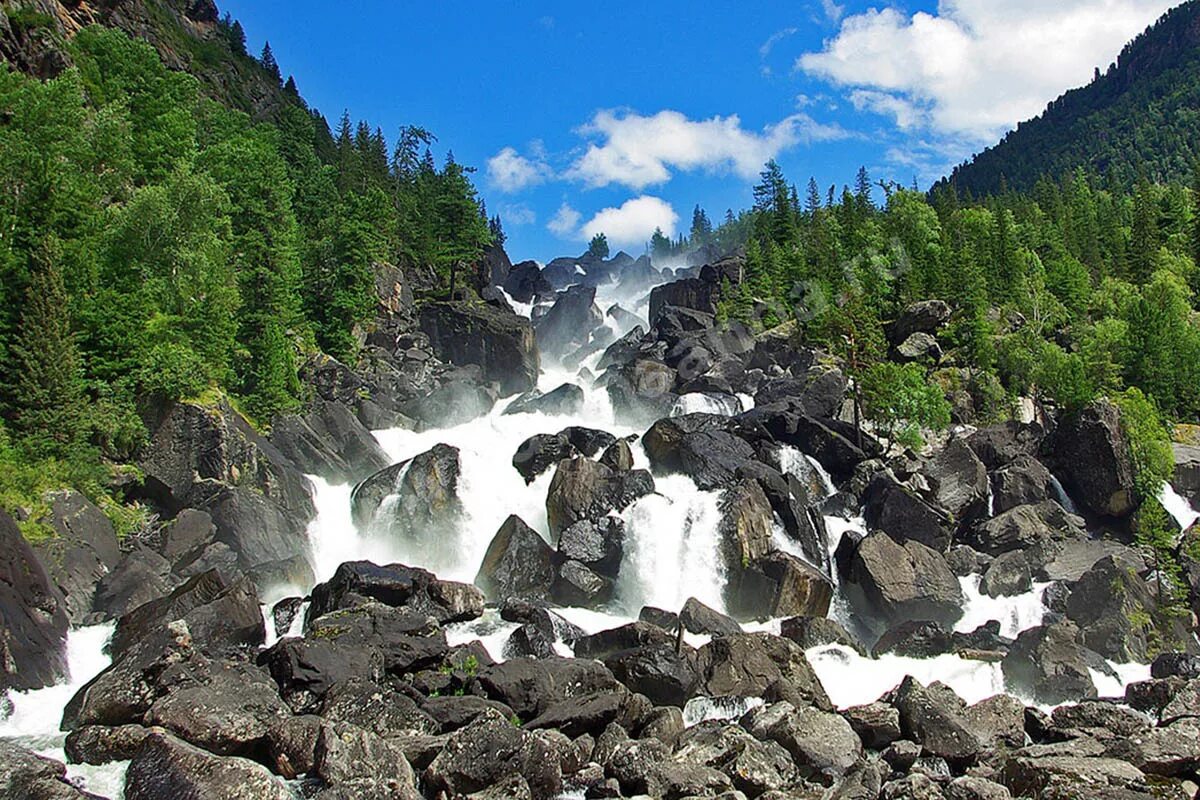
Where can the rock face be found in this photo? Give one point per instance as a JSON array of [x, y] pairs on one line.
[[518, 563], [501, 344], [1047, 663], [585, 489], [1094, 457], [923, 317], [26, 775], [569, 322], [33, 622], [82, 552], [908, 581]]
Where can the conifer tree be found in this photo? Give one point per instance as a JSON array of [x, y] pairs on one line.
[[1143, 234], [270, 64], [48, 398]]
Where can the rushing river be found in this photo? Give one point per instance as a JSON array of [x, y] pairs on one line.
[[670, 555]]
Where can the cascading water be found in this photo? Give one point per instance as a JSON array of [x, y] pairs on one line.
[[1178, 507], [35, 715]]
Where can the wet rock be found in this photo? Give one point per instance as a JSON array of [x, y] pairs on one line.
[[642, 389], [1047, 664], [618, 457], [585, 489], [576, 584], [998, 445], [809, 632], [539, 453], [660, 618], [746, 664], [501, 344], [1109, 603], [359, 764], [589, 714], [958, 480], [1041, 531], [530, 641], [142, 575], [33, 618], [753, 766], [292, 745], [168, 767], [914, 639], [488, 751], [699, 618], [518, 563], [819, 392], [461, 396], [822, 744], [659, 671], [565, 400], [189, 530], [1007, 575], [596, 543], [328, 440], [569, 322], [217, 615], [284, 613], [1023, 481], [904, 516], [410, 588], [83, 550], [1095, 460], [779, 585], [26, 775], [427, 503], [525, 282], [530, 687], [744, 530], [1176, 665], [908, 581], [588, 441], [934, 717]]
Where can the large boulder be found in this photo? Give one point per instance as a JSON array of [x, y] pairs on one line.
[[754, 766], [1039, 531], [935, 718], [28, 776], [357, 763], [569, 322], [927, 316], [1047, 664], [412, 589], [597, 543], [908, 581], [585, 489], [958, 480], [1095, 460], [666, 675], [1187, 471], [780, 585], [819, 391], [692, 293], [1023, 481], [490, 751], [141, 576], [501, 343], [744, 530], [524, 282], [997, 445], [427, 506], [82, 551], [700, 446], [567, 399], [518, 563], [33, 621], [642, 389], [531, 687], [905, 516], [167, 767], [330, 441], [217, 615], [822, 744], [539, 453], [746, 664]]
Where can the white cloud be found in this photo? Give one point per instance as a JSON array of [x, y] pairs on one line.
[[833, 11], [509, 171], [633, 222], [764, 50], [975, 68], [518, 214], [639, 151], [565, 221]]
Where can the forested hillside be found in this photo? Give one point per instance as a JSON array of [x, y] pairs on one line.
[[1137, 119], [158, 244]]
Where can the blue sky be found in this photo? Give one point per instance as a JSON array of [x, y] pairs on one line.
[[617, 117]]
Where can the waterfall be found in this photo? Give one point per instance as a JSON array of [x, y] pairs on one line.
[[1060, 494], [1178, 507], [725, 405]]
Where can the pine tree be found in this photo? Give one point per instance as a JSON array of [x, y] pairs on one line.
[[1143, 234], [598, 246], [270, 64], [1196, 213], [701, 232], [49, 408]]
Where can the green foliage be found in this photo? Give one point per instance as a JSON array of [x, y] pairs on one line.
[[598, 246], [901, 402], [1149, 442]]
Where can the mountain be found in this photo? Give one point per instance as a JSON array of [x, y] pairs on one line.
[[1141, 116], [190, 36]]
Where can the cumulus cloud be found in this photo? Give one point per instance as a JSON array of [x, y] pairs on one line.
[[633, 222], [509, 171], [833, 11], [518, 214], [975, 68], [639, 151], [565, 221]]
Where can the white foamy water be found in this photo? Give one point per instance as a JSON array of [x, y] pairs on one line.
[[1015, 613], [36, 715], [1177, 506]]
